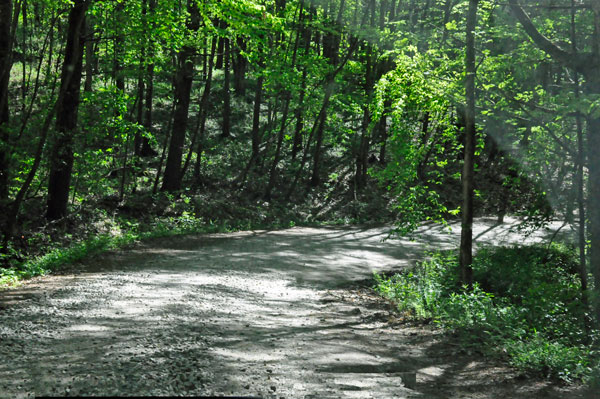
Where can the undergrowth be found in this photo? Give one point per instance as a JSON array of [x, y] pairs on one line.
[[525, 306], [101, 223], [50, 248], [127, 234]]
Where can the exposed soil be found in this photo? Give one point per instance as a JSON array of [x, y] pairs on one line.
[[278, 314]]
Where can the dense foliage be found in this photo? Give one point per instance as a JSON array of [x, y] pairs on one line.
[[525, 305], [120, 116]]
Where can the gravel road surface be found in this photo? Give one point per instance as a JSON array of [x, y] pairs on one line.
[[271, 314]]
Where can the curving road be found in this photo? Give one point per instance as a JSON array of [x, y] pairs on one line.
[[272, 314]]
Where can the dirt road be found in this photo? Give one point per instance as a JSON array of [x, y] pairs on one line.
[[275, 314]]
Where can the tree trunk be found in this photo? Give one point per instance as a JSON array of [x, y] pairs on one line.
[[141, 89], [89, 56], [239, 68], [163, 152], [320, 123], [287, 99], [24, 55], [273, 171], [305, 37], [297, 145], [141, 86], [593, 143], [146, 149], [316, 178], [362, 153], [466, 236], [198, 134], [383, 134], [183, 87], [226, 128], [256, 114], [447, 11], [580, 176], [204, 111], [331, 42], [61, 159], [118, 51], [220, 47], [5, 67], [592, 86]]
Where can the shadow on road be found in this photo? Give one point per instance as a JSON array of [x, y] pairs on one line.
[[251, 313]]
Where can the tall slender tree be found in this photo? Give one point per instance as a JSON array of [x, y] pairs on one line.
[[5, 67], [226, 126], [183, 87], [466, 235], [201, 126], [61, 160]]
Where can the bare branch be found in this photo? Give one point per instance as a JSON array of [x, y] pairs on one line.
[[578, 62]]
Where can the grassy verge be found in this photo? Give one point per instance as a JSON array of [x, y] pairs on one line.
[[525, 307], [123, 234]]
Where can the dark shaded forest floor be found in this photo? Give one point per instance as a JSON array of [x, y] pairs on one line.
[[274, 314]]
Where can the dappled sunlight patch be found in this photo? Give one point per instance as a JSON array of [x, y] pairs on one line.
[[247, 356], [432, 371], [258, 310], [88, 328]]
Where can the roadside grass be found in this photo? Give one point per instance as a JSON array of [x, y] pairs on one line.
[[103, 223], [125, 233], [525, 307]]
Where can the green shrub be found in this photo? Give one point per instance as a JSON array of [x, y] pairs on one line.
[[121, 232], [525, 303], [418, 292], [549, 358]]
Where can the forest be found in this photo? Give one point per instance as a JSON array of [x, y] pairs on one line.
[[125, 122]]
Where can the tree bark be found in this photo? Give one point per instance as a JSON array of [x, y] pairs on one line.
[[287, 100], [118, 50], [256, 114], [204, 111], [141, 86], [220, 46], [198, 134], [594, 200], [362, 153], [273, 171], [89, 56], [383, 132], [297, 144], [466, 236], [315, 179], [226, 128], [319, 124], [5, 67], [61, 159], [239, 68], [593, 144], [146, 149], [330, 50], [579, 176], [447, 11], [298, 114], [580, 62], [183, 87]]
